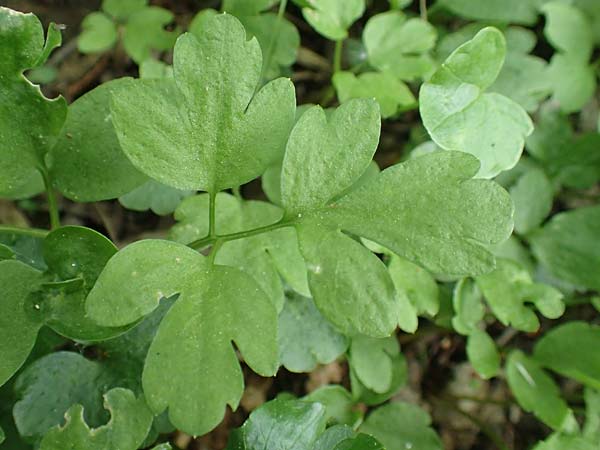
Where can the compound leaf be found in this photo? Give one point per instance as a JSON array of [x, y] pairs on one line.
[[332, 18], [194, 342], [568, 246], [129, 424], [400, 425], [566, 350], [416, 284], [535, 391], [19, 324], [306, 338], [506, 290], [209, 117], [460, 115], [88, 149]]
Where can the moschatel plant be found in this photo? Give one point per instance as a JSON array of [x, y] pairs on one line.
[[340, 256]]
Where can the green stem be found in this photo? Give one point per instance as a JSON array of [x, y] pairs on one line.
[[423, 9], [208, 240], [34, 232], [213, 252], [274, 38], [52, 205], [337, 56], [212, 232]]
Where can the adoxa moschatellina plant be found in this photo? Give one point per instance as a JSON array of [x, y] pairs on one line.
[[213, 128]]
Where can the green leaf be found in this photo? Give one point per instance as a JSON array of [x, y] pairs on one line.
[[509, 287], [460, 115], [350, 285], [523, 78], [389, 92], [47, 388], [332, 437], [430, 199], [483, 354], [581, 81], [533, 195], [26, 248], [568, 246], [312, 177], [53, 383], [154, 196], [305, 337], [152, 68], [399, 45], [359, 442], [284, 425], [88, 149], [338, 403], [23, 147], [568, 30], [468, 306], [535, 391], [563, 441], [145, 32], [389, 360], [122, 9], [568, 159], [591, 429], [416, 284], [53, 40], [400, 426], [566, 350], [19, 321], [371, 361], [209, 117], [74, 254], [222, 305], [165, 446], [509, 11], [246, 7], [129, 424], [333, 18], [2, 435], [136, 279], [277, 36], [99, 33]]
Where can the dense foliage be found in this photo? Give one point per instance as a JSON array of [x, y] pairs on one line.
[[483, 230]]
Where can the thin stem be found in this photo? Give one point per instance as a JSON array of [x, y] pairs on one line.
[[423, 9], [213, 252], [34, 232], [52, 205], [337, 56], [212, 232], [274, 38], [208, 240]]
